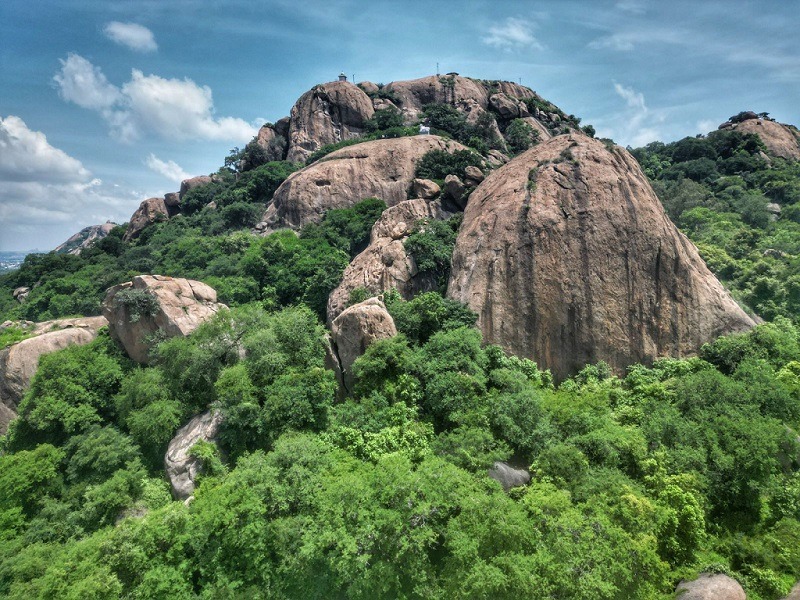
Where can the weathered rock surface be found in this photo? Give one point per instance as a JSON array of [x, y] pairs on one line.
[[18, 363], [454, 192], [177, 308], [150, 211], [327, 114], [568, 258], [384, 264], [461, 92], [194, 182], [710, 586], [381, 168], [508, 476], [273, 144], [795, 593], [85, 238], [781, 140], [355, 329], [425, 188], [536, 125], [172, 200], [20, 294], [181, 468]]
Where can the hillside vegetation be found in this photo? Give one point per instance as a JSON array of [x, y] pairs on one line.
[[638, 479]]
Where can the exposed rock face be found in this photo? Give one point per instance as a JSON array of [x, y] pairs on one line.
[[85, 238], [193, 182], [18, 363], [381, 168], [384, 264], [327, 114], [20, 294], [794, 594], [183, 469], [568, 258], [172, 200], [150, 211], [425, 188], [508, 108], [544, 132], [781, 140], [272, 142], [454, 192], [155, 304], [355, 329], [508, 476], [710, 586]]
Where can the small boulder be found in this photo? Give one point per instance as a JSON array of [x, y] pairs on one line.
[[172, 199], [21, 293], [193, 182], [454, 192], [368, 87], [473, 175], [355, 329], [710, 586], [508, 476], [182, 469], [495, 158], [152, 306], [506, 107], [150, 211], [425, 188]]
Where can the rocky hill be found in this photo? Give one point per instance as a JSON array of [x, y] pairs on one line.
[[85, 238]]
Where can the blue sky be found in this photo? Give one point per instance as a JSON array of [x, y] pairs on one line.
[[104, 104]]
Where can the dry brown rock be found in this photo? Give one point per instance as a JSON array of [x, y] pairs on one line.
[[384, 264], [355, 329], [272, 142], [536, 125], [461, 92], [454, 193], [176, 308], [515, 90], [20, 294], [381, 168], [172, 200], [795, 593], [383, 104], [182, 469], [368, 87], [194, 182], [152, 210], [473, 175], [781, 140], [495, 158], [327, 114], [568, 258], [506, 107], [18, 363], [425, 188], [710, 586]]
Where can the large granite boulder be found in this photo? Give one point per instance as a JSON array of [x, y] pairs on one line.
[[381, 169], [568, 258], [781, 140], [710, 586], [355, 329], [384, 264], [85, 238], [327, 114], [18, 363], [154, 306], [193, 182], [182, 469], [150, 211], [271, 142]]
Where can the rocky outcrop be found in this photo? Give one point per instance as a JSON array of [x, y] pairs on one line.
[[568, 258], [155, 306], [355, 329], [152, 210], [182, 469], [85, 238], [781, 140], [193, 182], [425, 188], [271, 142], [327, 114], [18, 363], [384, 264], [20, 294], [508, 476], [381, 168], [461, 92], [710, 586], [794, 594]]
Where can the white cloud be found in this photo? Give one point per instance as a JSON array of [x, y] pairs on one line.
[[79, 81], [134, 36], [614, 42], [45, 194], [26, 155], [169, 169], [513, 33], [171, 108], [706, 125], [631, 6], [632, 98]]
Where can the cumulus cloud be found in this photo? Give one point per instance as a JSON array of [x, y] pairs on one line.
[[171, 108], [134, 36], [79, 81], [632, 98], [512, 34], [169, 169], [26, 155], [45, 194]]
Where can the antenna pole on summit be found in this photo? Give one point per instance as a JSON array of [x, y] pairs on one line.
[[437, 69]]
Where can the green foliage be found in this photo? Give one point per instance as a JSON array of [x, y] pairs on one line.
[[438, 164], [520, 136], [425, 314], [347, 229], [385, 118], [431, 244]]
